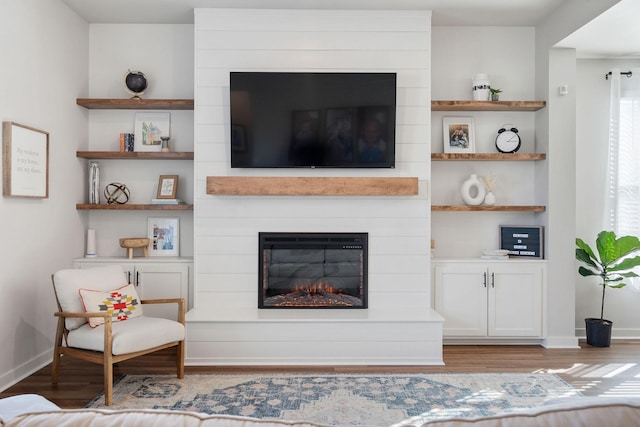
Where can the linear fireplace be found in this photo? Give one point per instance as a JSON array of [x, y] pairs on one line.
[[313, 270]]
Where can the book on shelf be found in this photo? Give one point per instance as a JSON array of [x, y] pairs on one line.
[[167, 202], [494, 256]]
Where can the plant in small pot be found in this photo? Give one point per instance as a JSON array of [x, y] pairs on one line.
[[614, 263], [494, 94]]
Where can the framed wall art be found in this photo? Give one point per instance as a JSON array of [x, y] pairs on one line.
[[149, 127], [458, 135], [25, 161], [164, 236], [167, 187]]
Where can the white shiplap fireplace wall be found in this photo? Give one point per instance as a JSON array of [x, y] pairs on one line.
[[225, 327]]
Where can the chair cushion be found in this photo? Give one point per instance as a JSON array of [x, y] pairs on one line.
[[140, 333], [122, 303], [67, 283]]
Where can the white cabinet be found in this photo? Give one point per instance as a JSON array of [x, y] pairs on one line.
[[154, 278], [492, 299]]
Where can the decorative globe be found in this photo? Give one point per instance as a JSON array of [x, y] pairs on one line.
[[135, 83], [116, 193]]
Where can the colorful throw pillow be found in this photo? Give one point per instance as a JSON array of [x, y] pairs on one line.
[[122, 303]]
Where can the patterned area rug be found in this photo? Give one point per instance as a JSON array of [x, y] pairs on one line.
[[354, 400]]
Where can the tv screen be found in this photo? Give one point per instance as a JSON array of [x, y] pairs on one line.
[[312, 120]]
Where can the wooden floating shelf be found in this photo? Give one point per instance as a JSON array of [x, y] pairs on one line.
[[494, 208], [134, 207], [312, 186], [489, 156], [135, 104], [487, 105], [173, 155]]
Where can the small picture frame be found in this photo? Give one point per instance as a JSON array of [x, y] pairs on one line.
[[164, 236], [25, 161], [149, 127], [167, 187], [458, 135]]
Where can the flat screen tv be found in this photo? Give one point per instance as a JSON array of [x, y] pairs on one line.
[[312, 120]]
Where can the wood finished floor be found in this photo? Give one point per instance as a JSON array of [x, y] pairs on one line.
[[613, 371]]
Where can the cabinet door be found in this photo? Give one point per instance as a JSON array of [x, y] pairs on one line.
[[515, 300], [461, 298], [157, 281]]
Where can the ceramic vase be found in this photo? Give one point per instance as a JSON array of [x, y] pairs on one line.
[[481, 87], [473, 191], [489, 199]]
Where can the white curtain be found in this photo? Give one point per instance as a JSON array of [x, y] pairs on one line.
[[623, 175]]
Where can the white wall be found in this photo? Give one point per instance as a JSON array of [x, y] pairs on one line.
[[164, 53], [592, 135], [457, 54], [226, 245], [44, 51]]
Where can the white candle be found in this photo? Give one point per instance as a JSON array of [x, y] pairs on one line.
[[91, 243]]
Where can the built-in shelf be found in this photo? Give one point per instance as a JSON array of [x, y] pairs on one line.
[[494, 208], [311, 186], [489, 156], [177, 155], [135, 104], [134, 207], [487, 105]]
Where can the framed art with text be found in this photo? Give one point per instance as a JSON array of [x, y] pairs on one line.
[[25, 161], [523, 241]]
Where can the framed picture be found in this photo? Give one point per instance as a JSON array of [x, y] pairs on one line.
[[164, 235], [149, 128], [167, 187], [25, 161], [523, 241], [458, 135]]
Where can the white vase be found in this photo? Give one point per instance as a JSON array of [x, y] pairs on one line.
[[473, 191], [481, 87], [489, 199]]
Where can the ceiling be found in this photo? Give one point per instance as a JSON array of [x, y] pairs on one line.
[[605, 36]]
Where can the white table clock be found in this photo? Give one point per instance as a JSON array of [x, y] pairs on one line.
[[508, 140]]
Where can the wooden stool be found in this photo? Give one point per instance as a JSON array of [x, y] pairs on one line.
[[131, 243]]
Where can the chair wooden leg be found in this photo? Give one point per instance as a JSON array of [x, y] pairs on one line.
[[180, 359], [108, 383], [55, 369]]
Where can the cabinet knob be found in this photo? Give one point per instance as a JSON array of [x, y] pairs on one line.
[[493, 280], [484, 279]]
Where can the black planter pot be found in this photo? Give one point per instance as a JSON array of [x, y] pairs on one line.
[[598, 332]]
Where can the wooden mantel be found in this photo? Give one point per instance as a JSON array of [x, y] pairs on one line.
[[311, 186]]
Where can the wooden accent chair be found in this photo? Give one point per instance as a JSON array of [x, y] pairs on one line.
[[115, 340]]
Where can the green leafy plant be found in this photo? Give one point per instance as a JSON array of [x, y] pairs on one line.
[[495, 91], [614, 262]]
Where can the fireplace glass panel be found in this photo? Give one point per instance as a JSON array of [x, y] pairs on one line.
[[313, 270]]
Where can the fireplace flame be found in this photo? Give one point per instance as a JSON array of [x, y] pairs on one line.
[[316, 288]]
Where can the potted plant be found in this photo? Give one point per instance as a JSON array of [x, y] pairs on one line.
[[614, 263], [494, 94]]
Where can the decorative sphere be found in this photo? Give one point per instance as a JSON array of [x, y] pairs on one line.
[[116, 193], [135, 82]]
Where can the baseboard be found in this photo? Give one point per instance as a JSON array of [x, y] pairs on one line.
[[21, 372], [561, 342], [616, 333]]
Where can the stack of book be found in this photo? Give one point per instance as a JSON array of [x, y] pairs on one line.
[[166, 201], [495, 254]]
